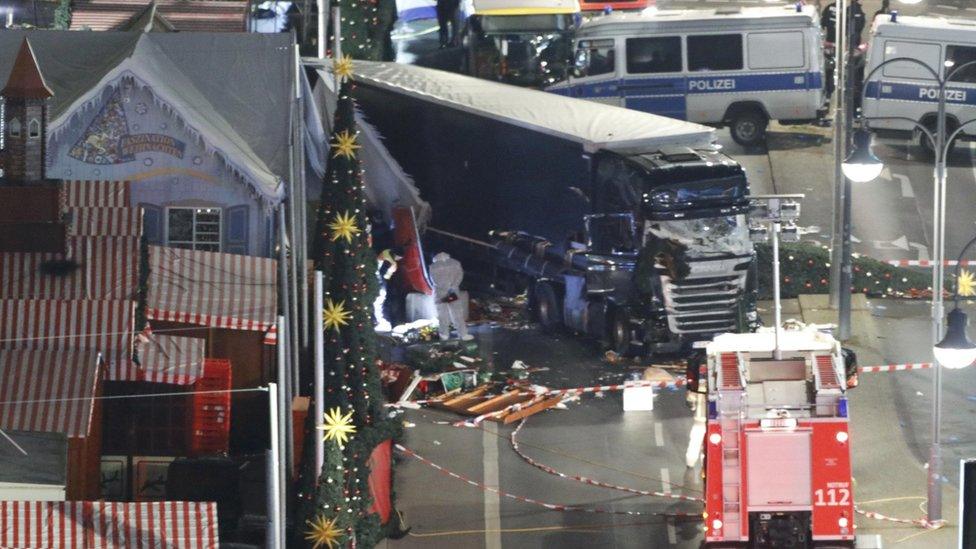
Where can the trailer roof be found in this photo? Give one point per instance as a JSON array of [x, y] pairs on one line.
[[593, 125], [525, 7], [696, 20], [764, 340]]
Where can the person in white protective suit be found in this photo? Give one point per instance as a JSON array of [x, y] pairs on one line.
[[446, 274]]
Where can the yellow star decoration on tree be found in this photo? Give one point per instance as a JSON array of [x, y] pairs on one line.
[[967, 283], [335, 314], [323, 532], [344, 145], [338, 426], [344, 226], [342, 67]]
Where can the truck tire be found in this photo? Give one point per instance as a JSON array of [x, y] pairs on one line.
[[545, 306], [748, 127], [621, 333], [928, 148]]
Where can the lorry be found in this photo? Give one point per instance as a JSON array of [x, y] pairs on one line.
[[519, 42], [904, 94], [735, 67], [625, 226], [777, 462]]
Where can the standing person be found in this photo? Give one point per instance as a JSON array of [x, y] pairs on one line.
[[447, 274], [885, 9], [447, 14], [855, 18]]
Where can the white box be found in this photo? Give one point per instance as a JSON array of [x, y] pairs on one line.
[[638, 399]]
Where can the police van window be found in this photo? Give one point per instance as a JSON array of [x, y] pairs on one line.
[[775, 50], [649, 55], [957, 56], [595, 57], [715, 52], [930, 54]]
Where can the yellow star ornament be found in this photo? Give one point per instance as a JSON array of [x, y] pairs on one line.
[[323, 532], [335, 314], [344, 145], [342, 67], [338, 426], [967, 283], [344, 226]]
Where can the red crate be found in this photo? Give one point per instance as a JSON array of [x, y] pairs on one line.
[[210, 412]]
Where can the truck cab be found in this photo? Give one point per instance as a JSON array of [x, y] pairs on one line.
[[522, 43]]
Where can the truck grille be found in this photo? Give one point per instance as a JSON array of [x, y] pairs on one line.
[[707, 300]]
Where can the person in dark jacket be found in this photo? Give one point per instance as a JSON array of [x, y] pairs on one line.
[[447, 15], [855, 17]]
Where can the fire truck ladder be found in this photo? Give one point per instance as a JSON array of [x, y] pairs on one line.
[[731, 392]]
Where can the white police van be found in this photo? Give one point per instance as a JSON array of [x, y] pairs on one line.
[[740, 67], [907, 90]]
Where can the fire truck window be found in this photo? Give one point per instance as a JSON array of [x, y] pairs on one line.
[[652, 55], [715, 52]]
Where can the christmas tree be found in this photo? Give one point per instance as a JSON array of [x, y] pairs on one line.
[[356, 420], [366, 27]]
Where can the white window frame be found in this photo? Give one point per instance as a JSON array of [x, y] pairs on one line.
[[34, 123], [194, 244], [15, 127]]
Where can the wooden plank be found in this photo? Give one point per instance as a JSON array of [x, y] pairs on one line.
[[543, 404], [500, 402]]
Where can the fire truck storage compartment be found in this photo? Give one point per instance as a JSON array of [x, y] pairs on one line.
[[778, 469]]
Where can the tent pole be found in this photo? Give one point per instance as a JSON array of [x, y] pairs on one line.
[[284, 341], [319, 395], [273, 474]]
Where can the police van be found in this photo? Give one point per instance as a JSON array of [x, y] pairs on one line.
[[909, 91], [738, 67]]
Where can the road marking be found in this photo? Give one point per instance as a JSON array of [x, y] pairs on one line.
[[666, 487], [493, 522], [900, 243], [970, 9], [906, 185], [658, 433], [923, 250]]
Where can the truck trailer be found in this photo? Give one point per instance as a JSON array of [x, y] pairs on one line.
[[622, 225]]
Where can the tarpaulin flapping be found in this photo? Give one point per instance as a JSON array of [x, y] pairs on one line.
[[108, 525], [213, 289], [48, 391], [163, 359]]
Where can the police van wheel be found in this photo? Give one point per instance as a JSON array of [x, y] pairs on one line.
[[546, 306], [748, 128]]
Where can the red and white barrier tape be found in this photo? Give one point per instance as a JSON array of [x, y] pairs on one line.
[[928, 263], [592, 482], [894, 367], [523, 499], [678, 382], [923, 523]]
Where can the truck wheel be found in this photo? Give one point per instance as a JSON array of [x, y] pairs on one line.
[[748, 127], [620, 333], [928, 148], [546, 306]]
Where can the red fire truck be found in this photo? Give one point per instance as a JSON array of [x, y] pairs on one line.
[[777, 446]]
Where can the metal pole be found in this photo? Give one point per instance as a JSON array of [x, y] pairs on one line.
[[302, 232], [285, 356], [934, 504], [840, 140], [778, 308], [283, 425], [273, 475], [323, 8], [319, 394], [337, 31]]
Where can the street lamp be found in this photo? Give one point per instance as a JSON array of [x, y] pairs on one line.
[[956, 351], [861, 165], [953, 347]]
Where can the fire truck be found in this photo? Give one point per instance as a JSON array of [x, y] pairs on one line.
[[777, 444]]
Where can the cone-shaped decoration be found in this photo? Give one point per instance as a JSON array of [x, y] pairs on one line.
[[25, 80]]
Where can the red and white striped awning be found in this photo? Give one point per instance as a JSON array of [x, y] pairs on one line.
[[108, 268], [95, 193], [213, 289], [163, 359], [108, 525], [103, 221], [48, 391], [79, 324]]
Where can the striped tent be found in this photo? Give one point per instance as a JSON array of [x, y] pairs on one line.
[[95, 193], [52, 324], [213, 289], [108, 525], [103, 221], [163, 359], [48, 391]]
